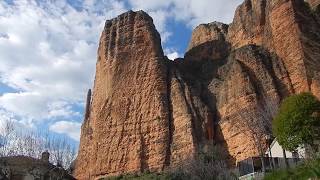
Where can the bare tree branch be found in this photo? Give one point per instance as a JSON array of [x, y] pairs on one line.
[[31, 143]]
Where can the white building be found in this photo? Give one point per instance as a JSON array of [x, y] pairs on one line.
[[252, 167], [277, 151]]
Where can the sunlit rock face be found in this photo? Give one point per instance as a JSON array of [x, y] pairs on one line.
[[128, 128], [288, 28], [148, 113]]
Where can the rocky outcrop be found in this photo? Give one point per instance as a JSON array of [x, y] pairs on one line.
[[128, 127], [150, 113], [287, 28], [208, 32]]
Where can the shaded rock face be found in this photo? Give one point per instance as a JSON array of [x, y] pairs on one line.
[[149, 113]]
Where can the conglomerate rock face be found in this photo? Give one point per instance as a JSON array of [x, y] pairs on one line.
[[148, 113], [313, 3], [287, 28], [208, 32], [127, 129]]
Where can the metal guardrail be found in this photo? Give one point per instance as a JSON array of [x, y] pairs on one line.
[[252, 176]]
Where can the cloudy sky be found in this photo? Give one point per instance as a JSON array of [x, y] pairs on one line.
[[48, 52]]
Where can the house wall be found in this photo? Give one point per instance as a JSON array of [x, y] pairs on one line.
[[276, 151]]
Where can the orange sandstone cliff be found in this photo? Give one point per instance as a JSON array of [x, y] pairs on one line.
[[149, 113]]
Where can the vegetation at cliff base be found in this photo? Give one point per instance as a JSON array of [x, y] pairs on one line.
[[143, 176], [297, 124], [306, 171], [209, 164], [298, 121]]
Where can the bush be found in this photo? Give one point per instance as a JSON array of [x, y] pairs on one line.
[[143, 176], [209, 164]]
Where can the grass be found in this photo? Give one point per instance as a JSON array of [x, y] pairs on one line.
[[309, 170]]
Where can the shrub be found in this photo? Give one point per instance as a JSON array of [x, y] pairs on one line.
[[209, 164]]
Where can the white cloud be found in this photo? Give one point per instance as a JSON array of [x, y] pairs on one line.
[[171, 53], [192, 12], [173, 56], [195, 12], [72, 129], [61, 109], [27, 104], [48, 54], [159, 19]]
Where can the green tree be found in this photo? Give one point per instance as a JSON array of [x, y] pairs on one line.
[[298, 121]]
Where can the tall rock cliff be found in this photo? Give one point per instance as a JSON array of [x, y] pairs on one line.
[[128, 127], [149, 113]]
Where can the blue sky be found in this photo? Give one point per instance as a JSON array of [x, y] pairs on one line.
[[48, 52]]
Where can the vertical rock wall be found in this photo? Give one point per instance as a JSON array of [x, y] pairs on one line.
[[128, 127], [287, 28], [150, 113]]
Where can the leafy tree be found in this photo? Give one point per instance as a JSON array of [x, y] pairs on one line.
[[298, 121]]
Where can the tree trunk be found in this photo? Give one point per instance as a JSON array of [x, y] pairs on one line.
[[262, 159], [262, 163], [270, 158], [285, 158]]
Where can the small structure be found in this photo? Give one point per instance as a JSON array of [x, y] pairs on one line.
[[45, 156], [28, 168], [275, 158], [277, 151]]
